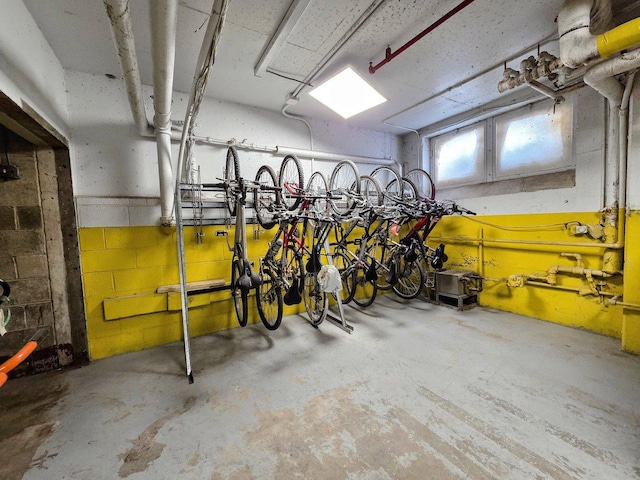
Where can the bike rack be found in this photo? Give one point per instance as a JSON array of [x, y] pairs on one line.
[[340, 321]]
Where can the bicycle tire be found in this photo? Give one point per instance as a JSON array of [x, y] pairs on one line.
[[318, 186], [423, 182], [364, 291], [266, 201], [240, 295], [379, 254], [410, 279], [371, 191], [386, 176], [344, 266], [345, 178], [316, 302], [269, 301], [407, 193], [231, 175], [292, 175]]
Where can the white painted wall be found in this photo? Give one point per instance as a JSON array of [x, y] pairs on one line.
[[586, 196], [115, 172], [29, 70], [633, 162]]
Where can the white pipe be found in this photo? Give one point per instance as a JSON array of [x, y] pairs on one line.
[[303, 120], [624, 141], [299, 152], [577, 45], [120, 17], [164, 20], [600, 76]]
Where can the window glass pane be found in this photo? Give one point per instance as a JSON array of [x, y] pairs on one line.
[[534, 140], [459, 156]]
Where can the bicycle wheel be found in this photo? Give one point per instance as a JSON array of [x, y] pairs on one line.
[[410, 279], [231, 176], [266, 201], [407, 192], [371, 191], [344, 266], [344, 184], [365, 288], [269, 301], [378, 253], [388, 179], [319, 187], [316, 302], [240, 295], [424, 184], [291, 180]]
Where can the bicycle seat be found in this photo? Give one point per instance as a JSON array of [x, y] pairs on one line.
[[250, 279], [293, 297], [314, 264]]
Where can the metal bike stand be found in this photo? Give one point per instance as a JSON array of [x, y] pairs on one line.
[[183, 278], [338, 321], [196, 203]]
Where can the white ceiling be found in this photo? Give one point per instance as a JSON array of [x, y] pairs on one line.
[[418, 83]]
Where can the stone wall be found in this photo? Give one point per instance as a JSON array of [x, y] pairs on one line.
[[24, 262]]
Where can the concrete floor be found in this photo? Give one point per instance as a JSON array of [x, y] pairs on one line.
[[417, 391]]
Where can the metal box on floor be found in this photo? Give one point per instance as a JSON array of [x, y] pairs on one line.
[[458, 288]]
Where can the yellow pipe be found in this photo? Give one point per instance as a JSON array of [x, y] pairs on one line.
[[630, 306], [601, 246], [620, 38], [580, 291]]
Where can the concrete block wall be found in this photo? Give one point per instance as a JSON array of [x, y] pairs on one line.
[[23, 260]]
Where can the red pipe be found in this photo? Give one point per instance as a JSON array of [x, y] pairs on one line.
[[390, 56]]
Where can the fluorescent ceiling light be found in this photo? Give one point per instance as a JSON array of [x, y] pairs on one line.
[[347, 94]]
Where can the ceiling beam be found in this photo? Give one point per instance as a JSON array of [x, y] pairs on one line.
[[279, 38]]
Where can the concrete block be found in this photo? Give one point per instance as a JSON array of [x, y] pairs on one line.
[[8, 270], [138, 278], [38, 315], [131, 237], [107, 260], [17, 320], [91, 239], [98, 283], [26, 291], [7, 218], [21, 242], [29, 218], [30, 266], [122, 307]]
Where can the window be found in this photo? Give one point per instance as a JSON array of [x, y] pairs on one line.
[[534, 140], [531, 140], [459, 156]]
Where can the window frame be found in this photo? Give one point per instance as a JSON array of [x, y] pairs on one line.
[[490, 144]]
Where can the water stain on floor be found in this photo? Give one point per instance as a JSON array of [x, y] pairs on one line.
[[25, 422], [145, 449]]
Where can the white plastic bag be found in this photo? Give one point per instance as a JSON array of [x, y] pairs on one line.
[[329, 279]]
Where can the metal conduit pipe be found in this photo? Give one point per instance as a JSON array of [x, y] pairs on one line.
[[505, 241], [299, 152], [615, 301], [205, 61], [303, 120], [120, 17], [390, 56], [164, 21]]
